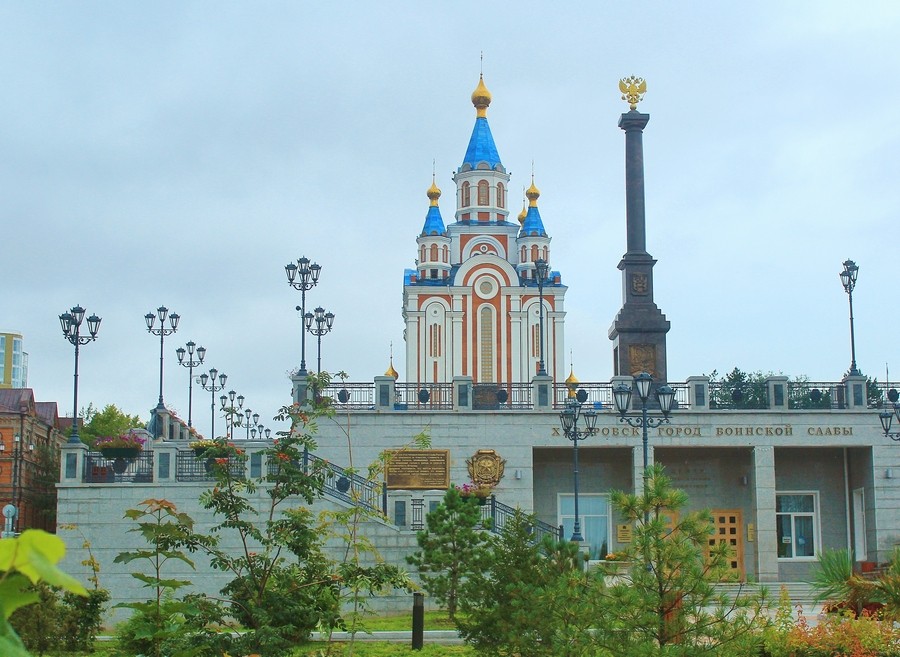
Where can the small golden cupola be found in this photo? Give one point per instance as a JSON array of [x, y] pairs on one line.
[[391, 372], [572, 383], [533, 194], [481, 98], [433, 192], [524, 212]]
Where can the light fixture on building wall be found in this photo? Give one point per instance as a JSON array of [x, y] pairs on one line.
[[2, 447], [889, 473]]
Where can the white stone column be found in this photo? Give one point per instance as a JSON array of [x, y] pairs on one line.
[[764, 503]]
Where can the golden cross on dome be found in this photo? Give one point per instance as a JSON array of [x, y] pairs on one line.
[[633, 90]]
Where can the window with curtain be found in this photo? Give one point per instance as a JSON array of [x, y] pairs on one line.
[[795, 518]]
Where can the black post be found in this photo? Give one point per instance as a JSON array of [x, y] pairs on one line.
[[418, 621]]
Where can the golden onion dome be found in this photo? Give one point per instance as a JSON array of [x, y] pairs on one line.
[[524, 212], [572, 382], [481, 98], [533, 193], [434, 193], [391, 372]]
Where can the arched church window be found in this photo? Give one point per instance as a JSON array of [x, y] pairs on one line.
[[486, 351], [524, 254], [434, 347], [422, 253], [501, 196], [534, 253], [445, 253], [483, 195], [545, 256], [466, 194], [434, 253]]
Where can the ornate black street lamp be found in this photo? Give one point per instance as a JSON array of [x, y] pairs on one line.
[[541, 269], [231, 410], [848, 280], [664, 395], [213, 389], [569, 419], [303, 276], [323, 323], [190, 363], [162, 312], [887, 417], [71, 327], [250, 415]]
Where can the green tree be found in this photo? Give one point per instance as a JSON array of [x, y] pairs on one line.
[[362, 571], [161, 620], [451, 548], [529, 599], [109, 422], [668, 604], [738, 389], [283, 585]]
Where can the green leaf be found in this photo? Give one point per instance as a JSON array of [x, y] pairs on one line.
[[14, 593], [35, 554], [11, 646]]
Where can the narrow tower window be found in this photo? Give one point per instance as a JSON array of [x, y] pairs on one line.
[[501, 196], [434, 253], [466, 195], [487, 345], [483, 192]]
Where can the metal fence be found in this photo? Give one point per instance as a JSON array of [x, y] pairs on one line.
[[190, 467], [101, 470], [498, 513], [348, 486]]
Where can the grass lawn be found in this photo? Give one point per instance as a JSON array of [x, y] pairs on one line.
[[434, 620]]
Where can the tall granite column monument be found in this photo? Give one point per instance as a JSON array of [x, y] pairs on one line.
[[639, 330]]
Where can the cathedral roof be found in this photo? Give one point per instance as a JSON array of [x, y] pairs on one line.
[[481, 143], [434, 224], [533, 225]]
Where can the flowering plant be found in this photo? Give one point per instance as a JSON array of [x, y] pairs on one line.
[[474, 490], [123, 440], [204, 443], [612, 556]]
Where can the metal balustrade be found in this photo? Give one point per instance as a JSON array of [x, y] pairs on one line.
[[101, 470], [498, 513], [190, 467]]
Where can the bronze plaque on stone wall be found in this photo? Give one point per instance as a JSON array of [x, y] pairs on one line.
[[418, 469]]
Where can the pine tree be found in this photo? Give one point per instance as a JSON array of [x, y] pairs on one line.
[[452, 547]]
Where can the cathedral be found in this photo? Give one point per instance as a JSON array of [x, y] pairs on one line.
[[807, 469], [482, 298]]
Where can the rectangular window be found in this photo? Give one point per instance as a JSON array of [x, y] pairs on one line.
[[594, 512], [400, 513], [256, 465], [795, 518]]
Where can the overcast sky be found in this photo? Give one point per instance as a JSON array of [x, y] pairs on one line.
[[181, 153]]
